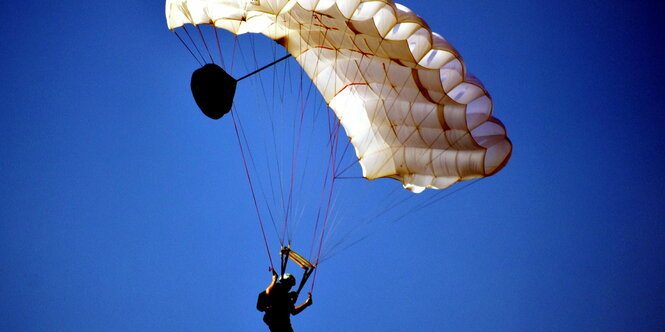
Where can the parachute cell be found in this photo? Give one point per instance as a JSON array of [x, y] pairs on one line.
[[401, 92]]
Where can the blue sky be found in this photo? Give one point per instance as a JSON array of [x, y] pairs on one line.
[[124, 209]]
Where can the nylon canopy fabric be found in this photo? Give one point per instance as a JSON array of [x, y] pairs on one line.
[[401, 92]]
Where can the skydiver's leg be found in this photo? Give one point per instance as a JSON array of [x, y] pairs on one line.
[[280, 327]]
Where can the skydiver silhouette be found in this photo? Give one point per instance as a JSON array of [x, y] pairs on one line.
[[278, 303]]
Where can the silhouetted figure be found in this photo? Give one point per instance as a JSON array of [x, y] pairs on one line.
[[278, 303]]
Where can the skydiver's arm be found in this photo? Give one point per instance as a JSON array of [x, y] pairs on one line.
[[272, 284], [302, 307]]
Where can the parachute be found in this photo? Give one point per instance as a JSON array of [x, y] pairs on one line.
[[402, 93]]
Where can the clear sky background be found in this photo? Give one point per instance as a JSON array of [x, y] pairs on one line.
[[125, 209]]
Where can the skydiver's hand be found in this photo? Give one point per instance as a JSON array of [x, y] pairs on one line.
[[309, 301]]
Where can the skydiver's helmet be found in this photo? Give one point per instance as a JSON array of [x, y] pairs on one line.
[[288, 280]]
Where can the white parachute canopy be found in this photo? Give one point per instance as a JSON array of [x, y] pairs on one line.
[[401, 92]]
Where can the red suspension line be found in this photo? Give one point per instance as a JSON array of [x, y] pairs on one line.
[[251, 188], [318, 212], [204, 43], [295, 158], [333, 149], [184, 27], [187, 46], [219, 47], [233, 55]]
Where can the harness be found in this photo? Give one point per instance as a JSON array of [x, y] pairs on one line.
[[285, 254]]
